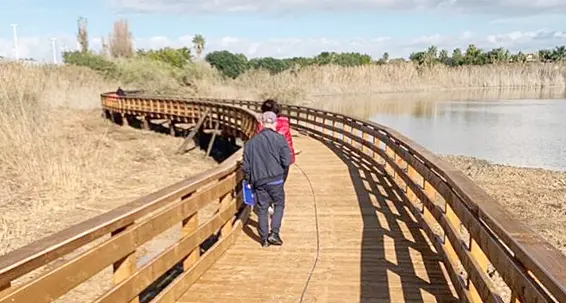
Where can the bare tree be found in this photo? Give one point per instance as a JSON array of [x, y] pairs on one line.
[[82, 34], [120, 41]]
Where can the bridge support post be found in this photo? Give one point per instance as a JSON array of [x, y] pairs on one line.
[[126, 266], [171, 128], [211, 143], [189, 225], [124, 119], [145, 121]]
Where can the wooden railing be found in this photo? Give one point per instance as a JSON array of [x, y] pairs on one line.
[[132, 225], [471, 231]]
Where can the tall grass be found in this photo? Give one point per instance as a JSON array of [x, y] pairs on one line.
[[58, 155], [297, 86], [37, 155]]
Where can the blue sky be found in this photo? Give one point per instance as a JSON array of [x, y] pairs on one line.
[[290, 27]]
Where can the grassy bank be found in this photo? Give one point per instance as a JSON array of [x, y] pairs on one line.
[[61, 163]]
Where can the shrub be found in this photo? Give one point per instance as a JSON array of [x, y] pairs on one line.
[[229, 64], [93, 61]]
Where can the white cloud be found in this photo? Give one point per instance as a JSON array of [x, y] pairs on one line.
[[40, 47], [502, 7]]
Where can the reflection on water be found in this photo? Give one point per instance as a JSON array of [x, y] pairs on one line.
[[517, 128]]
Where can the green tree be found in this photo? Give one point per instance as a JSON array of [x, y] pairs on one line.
[[498, 55], [457, 57], [300, 61], [198, 44], [443, 57], [273, 65], [559, 53], [229, 64], [418, 57], [474, 56], [545, 55]]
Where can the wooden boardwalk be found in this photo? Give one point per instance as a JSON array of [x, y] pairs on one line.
[[371, 249], [350, 233]]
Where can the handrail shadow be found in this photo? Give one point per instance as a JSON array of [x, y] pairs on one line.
[[376, 268]]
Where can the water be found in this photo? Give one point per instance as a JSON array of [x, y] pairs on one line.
[[525, 129]]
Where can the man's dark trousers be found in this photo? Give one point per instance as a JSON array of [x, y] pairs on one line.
[[265, 194]]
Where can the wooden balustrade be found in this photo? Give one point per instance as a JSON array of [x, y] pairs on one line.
[[138, 222], [532, 268], [469, 229]]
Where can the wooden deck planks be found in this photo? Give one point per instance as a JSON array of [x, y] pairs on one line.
[[371, 250]]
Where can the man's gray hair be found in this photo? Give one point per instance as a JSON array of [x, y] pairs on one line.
[[268, 118]]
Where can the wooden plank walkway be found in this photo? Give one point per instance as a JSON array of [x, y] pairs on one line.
[[371, 249]]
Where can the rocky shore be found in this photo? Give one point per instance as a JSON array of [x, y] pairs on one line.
[[536, 196]]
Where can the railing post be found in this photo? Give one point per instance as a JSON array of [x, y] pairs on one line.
[[430, 192], [225, 202], [126, 266], [365, 139], [375, 155], [189, 225], [350, 132], [334, 127], [483, 262], [324, 130], [453, 219], [391, 154]]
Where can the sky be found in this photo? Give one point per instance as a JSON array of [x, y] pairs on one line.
[[286, 28]]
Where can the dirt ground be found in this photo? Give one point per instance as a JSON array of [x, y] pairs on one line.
[[139, 162]]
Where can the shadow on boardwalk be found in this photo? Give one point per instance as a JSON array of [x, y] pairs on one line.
[[413, 272]]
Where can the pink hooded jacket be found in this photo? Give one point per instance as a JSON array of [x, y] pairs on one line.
[[283, 128]]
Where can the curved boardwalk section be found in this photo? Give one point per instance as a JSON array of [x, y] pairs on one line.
[[371, 249], [370, 217]]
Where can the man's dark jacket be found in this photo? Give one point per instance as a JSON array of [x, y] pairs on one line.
[[266, 158]]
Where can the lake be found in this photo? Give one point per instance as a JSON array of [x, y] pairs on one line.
[[519, 128]]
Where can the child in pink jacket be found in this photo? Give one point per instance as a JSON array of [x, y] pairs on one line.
[[282, 126]]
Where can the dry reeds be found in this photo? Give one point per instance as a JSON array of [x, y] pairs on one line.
[[291, 86], [57, 153]]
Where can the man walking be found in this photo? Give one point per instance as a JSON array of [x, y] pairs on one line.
[[266, 162]]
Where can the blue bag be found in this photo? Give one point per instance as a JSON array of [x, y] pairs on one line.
[[247, 194]]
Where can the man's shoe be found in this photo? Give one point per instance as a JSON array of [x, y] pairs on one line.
[[264, 243], [274, 239]]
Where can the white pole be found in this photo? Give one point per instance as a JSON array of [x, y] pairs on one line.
[[16, 42], [54, 50]]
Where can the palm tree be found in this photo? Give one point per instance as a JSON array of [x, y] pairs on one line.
[[198, 44]]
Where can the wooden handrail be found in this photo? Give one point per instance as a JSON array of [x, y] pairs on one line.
[[442, 198], [139, 221], [532, 268]]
